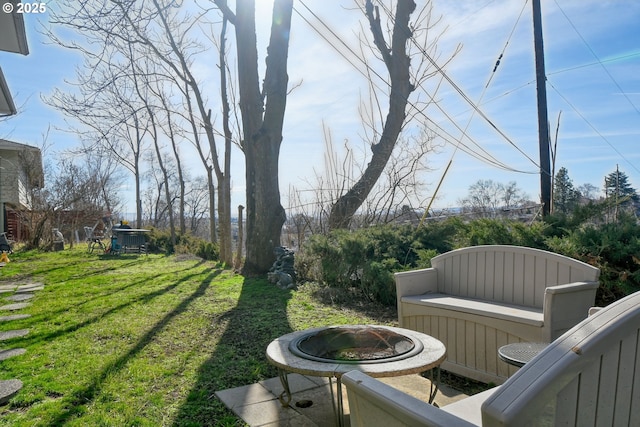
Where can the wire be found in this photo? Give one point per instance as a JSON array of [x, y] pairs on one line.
[[460, 91], [617, 58], [592, 126], [493, 73], [504, 49], [490, 159], [597, 58]]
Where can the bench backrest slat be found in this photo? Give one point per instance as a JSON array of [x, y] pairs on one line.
[[509, 274]]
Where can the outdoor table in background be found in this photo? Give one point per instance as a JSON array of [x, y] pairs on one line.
[[129, 240]]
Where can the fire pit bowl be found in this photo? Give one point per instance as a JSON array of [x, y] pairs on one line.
[[355, 344]]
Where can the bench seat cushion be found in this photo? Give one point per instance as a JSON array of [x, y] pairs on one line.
[[509, 312]]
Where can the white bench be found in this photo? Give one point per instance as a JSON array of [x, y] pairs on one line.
[[480, 298], [588, 376]]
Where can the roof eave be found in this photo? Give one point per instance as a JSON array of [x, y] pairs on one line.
[[7, 107]]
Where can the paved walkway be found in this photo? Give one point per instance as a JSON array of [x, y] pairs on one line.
[[13, 297], [258, 405]]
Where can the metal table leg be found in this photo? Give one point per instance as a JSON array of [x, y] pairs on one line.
[[435, 383], [284, 379], [337, 401]]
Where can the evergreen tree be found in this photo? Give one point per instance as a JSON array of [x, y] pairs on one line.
[[619, 192], [565, 196], [617, 184]]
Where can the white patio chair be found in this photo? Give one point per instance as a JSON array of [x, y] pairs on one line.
[[588, 376], [94, 239]]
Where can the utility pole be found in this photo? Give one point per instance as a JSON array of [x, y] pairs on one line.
[[543, 121]]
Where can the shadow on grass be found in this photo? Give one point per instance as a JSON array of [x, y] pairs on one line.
[[239, 358], [51, 314], [71, 259], [86, 395], [142, 299]]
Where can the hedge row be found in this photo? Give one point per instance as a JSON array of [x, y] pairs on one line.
[[367, 258]]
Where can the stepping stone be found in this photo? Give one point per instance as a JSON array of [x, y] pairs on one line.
[[7, 335], [36, 288], [20, 297], [16, 306], [31, 284], [5, 291], [14, 317], [30, 287], [12, 352], [8, 389], [5, 288]]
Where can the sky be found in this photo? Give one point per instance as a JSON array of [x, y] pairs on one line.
[[592, 55]]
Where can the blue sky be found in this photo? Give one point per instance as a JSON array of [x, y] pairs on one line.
[[592, 53]]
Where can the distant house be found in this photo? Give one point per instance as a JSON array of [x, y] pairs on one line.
[[16, 181], [20, 172]]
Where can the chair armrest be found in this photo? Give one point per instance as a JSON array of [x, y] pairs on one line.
[[566, 305], [374, 403]]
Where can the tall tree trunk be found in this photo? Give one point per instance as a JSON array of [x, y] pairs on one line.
[[224, 176], [176, 154], [144, 98], [205, 163], [397, 63], [238, 260], [262, 121], [136, 171], [212, 205]]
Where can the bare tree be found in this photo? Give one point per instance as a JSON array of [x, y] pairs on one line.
[[174, 38], [142, 89], [196, 202], [111, 120], [397, 63], [399, 185], [170, 130], [157, 30], [262, 111], [588, 192], [487, 198]]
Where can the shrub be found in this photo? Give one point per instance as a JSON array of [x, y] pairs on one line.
[[367, 258], [159, 241], [614, 248]]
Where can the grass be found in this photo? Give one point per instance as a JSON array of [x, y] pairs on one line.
[[147, 340]]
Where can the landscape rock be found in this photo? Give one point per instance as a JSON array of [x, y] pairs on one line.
[[283, 272]]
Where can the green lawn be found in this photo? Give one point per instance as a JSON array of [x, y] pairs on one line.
[[147, 340]]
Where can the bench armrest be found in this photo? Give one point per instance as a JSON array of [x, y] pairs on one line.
[[416, 282], [566, 305], [374, 403]]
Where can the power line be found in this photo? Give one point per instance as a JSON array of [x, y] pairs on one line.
[[592, 126], [599, 62], [460, 91], [493, 73], [597, 58], [490, 159]]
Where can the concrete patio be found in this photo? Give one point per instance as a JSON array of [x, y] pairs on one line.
[[258, 404]]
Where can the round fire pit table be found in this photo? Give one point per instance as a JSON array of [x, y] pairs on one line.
[[378, 351]]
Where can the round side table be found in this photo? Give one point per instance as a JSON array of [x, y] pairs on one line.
[[518, 354]]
